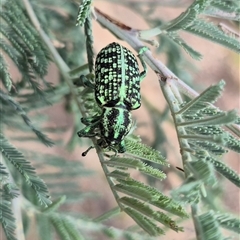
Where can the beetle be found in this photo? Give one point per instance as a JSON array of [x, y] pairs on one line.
[[117, 93]]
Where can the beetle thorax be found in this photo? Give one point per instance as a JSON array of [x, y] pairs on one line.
[[115, 124]]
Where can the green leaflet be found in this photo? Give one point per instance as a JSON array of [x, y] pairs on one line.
[[83, 12], [144, 152], [210, 228], [26, 170], [4, 73], [150, 213], [233, 143], [188, 192], [59, 225], [228, 221], [150, 195], [210, 95], [45, 228], [10, 102], [3, 173], [136, 164], [224, 6], [189, 50], [205, 171], [222, 118], [226, 171], [7, 219], [55, 205], [119, 174], [89, 43], [144, 222], [211, 32], [186, 18]]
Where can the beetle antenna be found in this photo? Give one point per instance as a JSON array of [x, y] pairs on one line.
[[180, 169], [84, 154]]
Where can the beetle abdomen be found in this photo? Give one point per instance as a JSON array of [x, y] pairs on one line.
[[117, 77]]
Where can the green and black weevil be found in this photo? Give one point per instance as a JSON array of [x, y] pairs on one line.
[[117, 93]]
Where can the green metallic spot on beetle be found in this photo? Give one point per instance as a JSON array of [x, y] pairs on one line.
[[117, 93]]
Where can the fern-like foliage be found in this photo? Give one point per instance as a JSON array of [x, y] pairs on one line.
[[203, 142], [69, 228], [139, 199], [189, 50], [201, 127], [209, 226], [7, 218], [89, 43], [224, 9], [229, 222], [189, 16], [21, 42], [211, 32], [27, 171], [9, 105], [83, 12], [65, 228], [7, 193], [203, 130], [193, 21]]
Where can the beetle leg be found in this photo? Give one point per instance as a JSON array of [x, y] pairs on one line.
[[86, 82], [140, 55], [88, 131], [90, 120], [121, 147]]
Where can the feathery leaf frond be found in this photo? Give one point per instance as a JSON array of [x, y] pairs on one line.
[[209, 31], [229, 222], [224, 9], [26, 170], [210, 95], [188, 192], [21, 42], [83, 12], [7, 218], [186, 18], [3, 173], [89, 43], [4, 73], [8, 101], [65, 228], [144, 152], [205, 133], [151, 195], [226, 171], [150, 213], [210, 228], [136, 164], [189, 50], [144, 222]]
